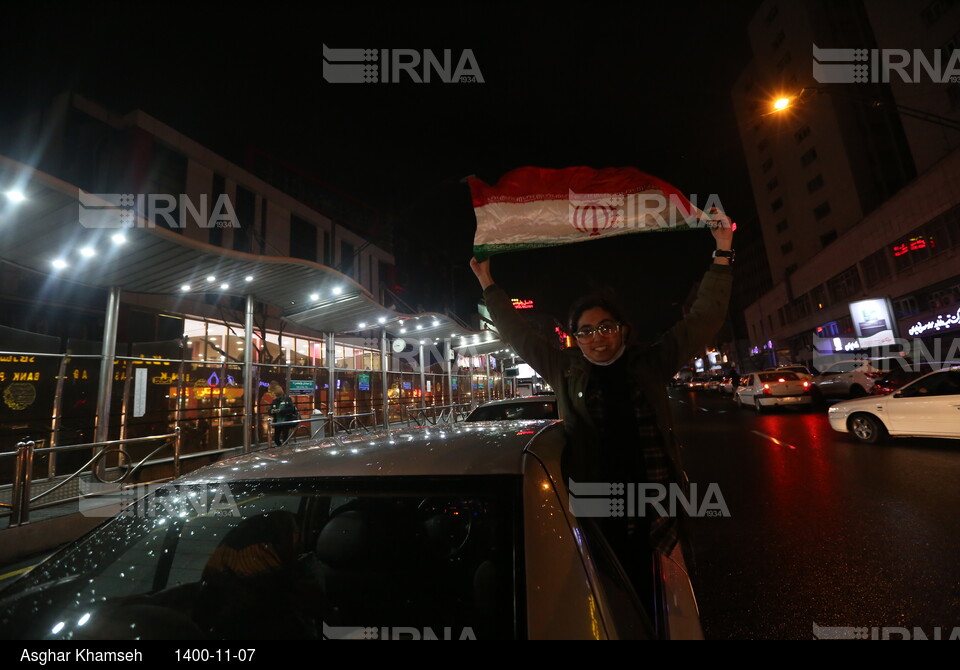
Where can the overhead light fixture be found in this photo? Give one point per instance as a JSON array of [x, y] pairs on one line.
[[88, 252], [337, 290], [60, 264], [363, 324], [185, 287], [118, 238], [16, 196], [314, 296], [248, 278], [211, 278], [382, 319], [224, 286]]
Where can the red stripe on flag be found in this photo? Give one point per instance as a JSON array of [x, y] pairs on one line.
[[529, 184]]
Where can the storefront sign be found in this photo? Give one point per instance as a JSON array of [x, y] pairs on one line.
[[363, 381], [301, 387], [19, 396], [942, 322], [873, 322]]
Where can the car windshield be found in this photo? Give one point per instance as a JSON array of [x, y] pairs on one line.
[[281, 559], [768, 377], [518, 410]]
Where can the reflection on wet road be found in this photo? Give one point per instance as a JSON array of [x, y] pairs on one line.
[[823, 529]]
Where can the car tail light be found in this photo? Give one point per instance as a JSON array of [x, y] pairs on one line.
[[806, 387], [873, 375], [766, 390]]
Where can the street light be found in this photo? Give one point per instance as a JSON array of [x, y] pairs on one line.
[[786, 102]]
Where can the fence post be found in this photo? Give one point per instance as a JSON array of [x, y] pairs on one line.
[[23, 472], [176, 452]]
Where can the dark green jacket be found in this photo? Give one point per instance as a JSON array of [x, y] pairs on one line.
[[651, 367]]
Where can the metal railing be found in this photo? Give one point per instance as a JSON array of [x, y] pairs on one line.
[[436, 415], [325, 425], [22, 499]]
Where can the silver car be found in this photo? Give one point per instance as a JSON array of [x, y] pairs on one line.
[[457, 532], [523, 407]]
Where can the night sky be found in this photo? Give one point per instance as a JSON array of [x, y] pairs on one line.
[[642, 84]]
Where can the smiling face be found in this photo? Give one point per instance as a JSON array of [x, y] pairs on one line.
[[601, 348]]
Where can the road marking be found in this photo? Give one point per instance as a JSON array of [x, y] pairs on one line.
[[773, 439]]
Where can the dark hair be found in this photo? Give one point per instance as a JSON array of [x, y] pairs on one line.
[[604, 302], [276, 383]]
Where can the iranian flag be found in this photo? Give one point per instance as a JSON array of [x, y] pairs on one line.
[[537, 207]]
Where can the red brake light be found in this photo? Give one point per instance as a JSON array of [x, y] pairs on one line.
[[766, 389]]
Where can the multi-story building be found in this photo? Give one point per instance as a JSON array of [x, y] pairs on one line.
[[200, 248], [856, 184]]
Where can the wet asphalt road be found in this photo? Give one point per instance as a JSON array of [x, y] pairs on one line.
[[822, 530]]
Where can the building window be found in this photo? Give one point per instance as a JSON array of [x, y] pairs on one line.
[[876, 268], [246, 205], [767, 164], [905, 306], [303, 239], [821, 211], [845, 285], [217, 188], [786, 248], [815, 184], [818, 296], [782, 226], [346, 258], [802, 134], [808, 157], [776, 204], [944, 297], [828, 238]]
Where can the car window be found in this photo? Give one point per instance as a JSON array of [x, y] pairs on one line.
[[281, 559], [768, 377], [842, 368], [511, 411], [938, 384]]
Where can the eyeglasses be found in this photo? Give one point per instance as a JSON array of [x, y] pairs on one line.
[[584, 335]]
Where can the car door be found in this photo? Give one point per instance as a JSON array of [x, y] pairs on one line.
[[928, 406], [746, 390]]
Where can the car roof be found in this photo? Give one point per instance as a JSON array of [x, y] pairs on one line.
[[520, 400], [483, 448]]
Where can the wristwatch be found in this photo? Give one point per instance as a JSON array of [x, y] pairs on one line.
[[729, 254]]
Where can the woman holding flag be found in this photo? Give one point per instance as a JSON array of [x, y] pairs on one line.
[[611, 392]]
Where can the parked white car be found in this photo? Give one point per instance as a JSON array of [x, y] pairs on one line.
[[927, 407], [773, 389]]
